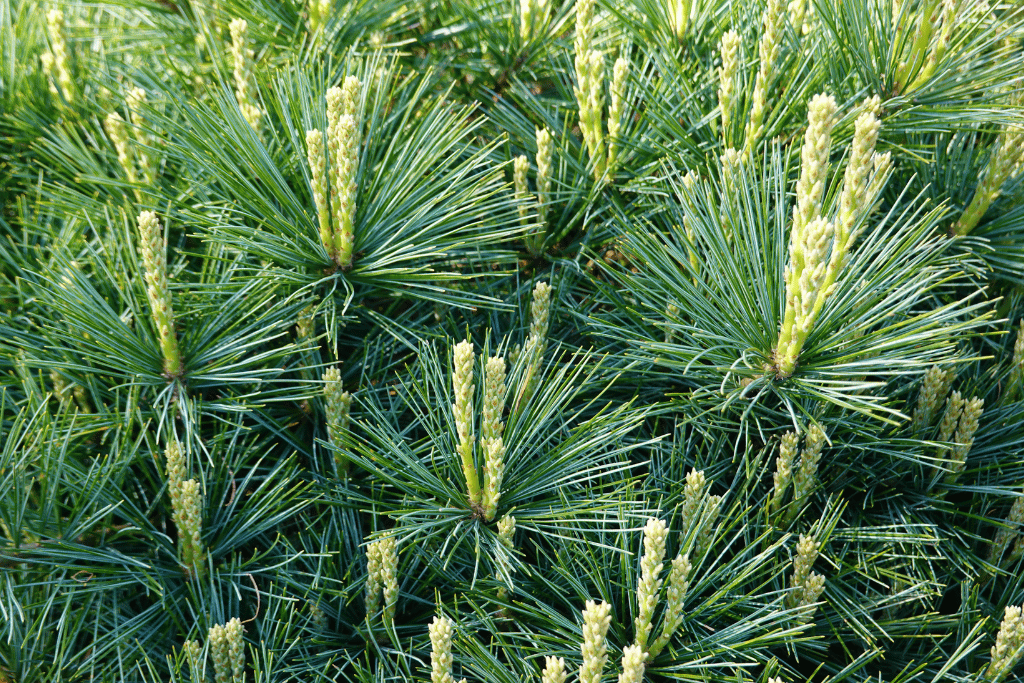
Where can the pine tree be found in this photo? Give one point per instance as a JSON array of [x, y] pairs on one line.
[[511, 341]]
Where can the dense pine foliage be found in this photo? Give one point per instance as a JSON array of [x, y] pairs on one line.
[[511, 340]]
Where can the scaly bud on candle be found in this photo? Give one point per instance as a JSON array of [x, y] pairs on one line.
[[335, 108], [347, 163], [584, 39], [797, 14], [227, 651], [597, 617], [1009, 645], [729, 49], [186, 510], [814, 160], [374, 579], [810, 240], [540, 310], [117, 131], [492, 441], [768, 53], [649, 585], [189, 520], [943, 19], [693, 498], [805, 586], [441, 650], [236, 649], [1006, 535], [533, 16], [784, 468], [927, 24], [616, 108], [337, 404], [135, 99], [854, 202], [463, 360], [933, 392], [807, 473], [351, 103], [388, 555], [55, 62], [678, 583], [590, 98], [963, 438], [506, 532], [633, 657], [545, 150], [520, 167], [1016, 378], [154, 259], [1008, 152], [950, 418], [494, 397], [318, 184], [679, 17], [554, 670], [245, 82]]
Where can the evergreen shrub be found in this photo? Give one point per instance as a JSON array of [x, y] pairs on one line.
[[512, 340]]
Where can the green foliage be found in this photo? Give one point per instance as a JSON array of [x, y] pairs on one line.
[[314, 403]]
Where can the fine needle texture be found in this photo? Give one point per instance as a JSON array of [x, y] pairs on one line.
[[511, 341]]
